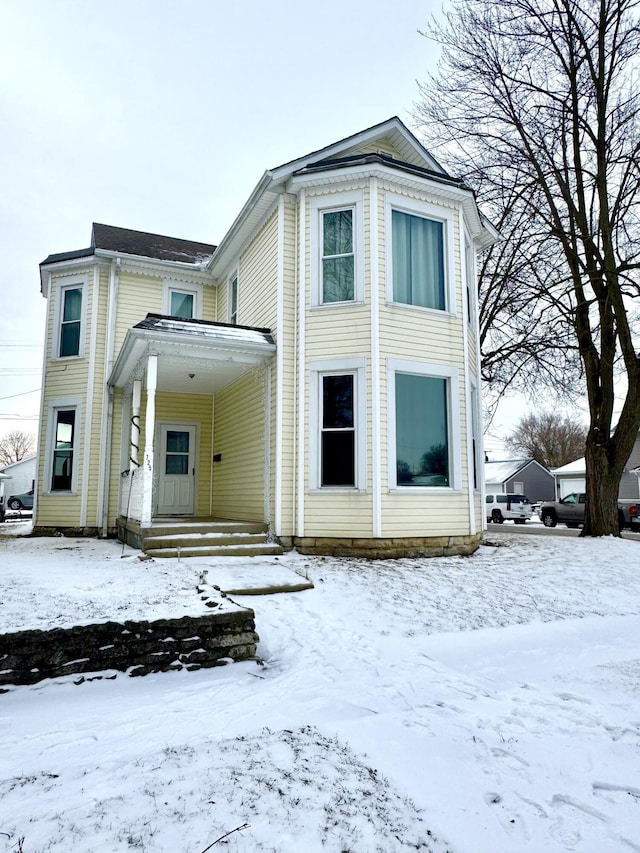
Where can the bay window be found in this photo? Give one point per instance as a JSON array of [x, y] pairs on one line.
[[424, 432], [338, 416], [70, 321]]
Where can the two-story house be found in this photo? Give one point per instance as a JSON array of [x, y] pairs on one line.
[[317, 372]]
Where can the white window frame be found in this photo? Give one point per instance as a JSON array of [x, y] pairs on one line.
[[320, 205], [194, 290], [233, 282], [62, 405], [424, 210], [338, 367], [79, 283], [437, 371]]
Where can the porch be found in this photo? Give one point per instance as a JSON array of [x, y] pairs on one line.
[[198, 537]]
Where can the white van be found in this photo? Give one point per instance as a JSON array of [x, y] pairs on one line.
[[510, 506]]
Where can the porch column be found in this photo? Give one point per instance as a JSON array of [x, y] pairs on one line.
[[150, 425], [134, 441]]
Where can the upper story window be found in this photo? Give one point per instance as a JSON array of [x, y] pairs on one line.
[[70, 327], [233, 299], [183, 301], [338, 260], [418, 261], [182, 305], [337, 249], [420, 254]]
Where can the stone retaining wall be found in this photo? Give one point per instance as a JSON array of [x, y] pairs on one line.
[[136, 647], [390, 549]]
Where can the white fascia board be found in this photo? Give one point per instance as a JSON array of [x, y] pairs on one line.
[[70, 267], [483, 234], [132, 262], [139, 342]]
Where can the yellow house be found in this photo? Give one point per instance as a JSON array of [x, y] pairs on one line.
[[315, 376]]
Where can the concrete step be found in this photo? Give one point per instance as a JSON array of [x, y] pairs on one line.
[[172, 527], [190, 540], [241, 550]]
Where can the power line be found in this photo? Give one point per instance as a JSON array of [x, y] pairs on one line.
[[23, 394]]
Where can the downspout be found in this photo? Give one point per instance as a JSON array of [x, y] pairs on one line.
[[277, 513], [107, 406], [302, 295], [376, 412], [467, 378]]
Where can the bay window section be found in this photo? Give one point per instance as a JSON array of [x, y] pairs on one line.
[[70, 322], [418, 260], [337, 436], [424, 441], [338, 418], [338, 260]]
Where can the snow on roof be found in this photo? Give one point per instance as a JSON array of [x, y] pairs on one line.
[[500, 472], [577, 467]]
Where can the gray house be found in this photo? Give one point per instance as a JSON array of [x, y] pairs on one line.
[[571, 477], [520, 477]]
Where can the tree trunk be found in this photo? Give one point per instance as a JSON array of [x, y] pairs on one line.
[[604, 470]]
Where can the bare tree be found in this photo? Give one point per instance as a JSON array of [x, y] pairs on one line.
[[549, 438], [15, 446], [539, 98]]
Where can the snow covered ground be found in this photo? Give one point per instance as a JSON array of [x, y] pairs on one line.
[[476, 705]]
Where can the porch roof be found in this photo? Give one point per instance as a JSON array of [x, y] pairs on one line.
[[194, 356]]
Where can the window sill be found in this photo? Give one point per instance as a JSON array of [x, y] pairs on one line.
[[437, 312], [67, 357], [349, 303], [337, 490], [424, 490]]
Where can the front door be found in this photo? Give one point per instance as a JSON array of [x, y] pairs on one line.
[[176, 481]]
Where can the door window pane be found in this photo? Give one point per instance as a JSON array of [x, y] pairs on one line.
[[177, 452], [422, 444], [418, 260]]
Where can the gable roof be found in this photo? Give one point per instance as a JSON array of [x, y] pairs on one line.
[[500, 472], [346, 153]]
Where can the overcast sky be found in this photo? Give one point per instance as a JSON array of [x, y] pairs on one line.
[[162, 116]]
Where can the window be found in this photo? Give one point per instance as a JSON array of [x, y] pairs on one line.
[[336, 246], [233, 300], [338, 260], [418, 261], [337, 441], [419, 254], [70, 321], [181, 305], [424, 431], [183, 301], [63, 450], [337, 444]]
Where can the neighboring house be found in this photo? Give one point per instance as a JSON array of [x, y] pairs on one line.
[[317, 372], [572, 477], [520, 477], [23, 476]]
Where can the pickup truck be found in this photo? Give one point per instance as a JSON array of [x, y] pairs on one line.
[[570, 511]]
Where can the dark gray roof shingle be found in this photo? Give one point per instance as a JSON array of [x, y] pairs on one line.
[[149, 245], [140, 243]]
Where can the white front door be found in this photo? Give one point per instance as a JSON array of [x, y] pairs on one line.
[[176, 480]]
